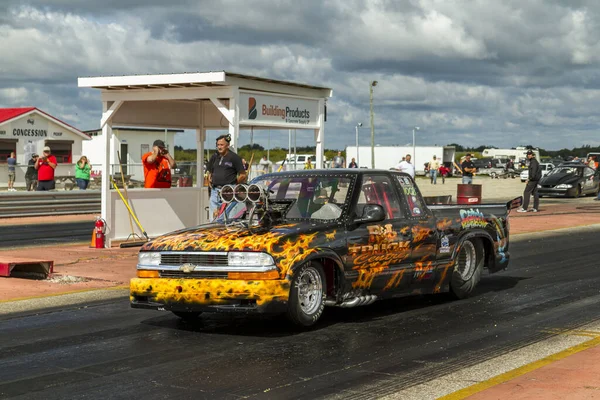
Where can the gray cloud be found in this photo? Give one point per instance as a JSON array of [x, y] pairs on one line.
[[487, 73]]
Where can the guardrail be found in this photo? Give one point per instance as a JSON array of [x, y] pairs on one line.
[[23, 204]]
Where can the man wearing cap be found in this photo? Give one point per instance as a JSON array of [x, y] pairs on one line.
[[45, 166], [468, 169], [531, 187], [224, 168], [157, 166], [31, 176]]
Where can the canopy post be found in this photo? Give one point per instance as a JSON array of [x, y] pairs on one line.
[[234, 112], [106, 121], [320, 135]]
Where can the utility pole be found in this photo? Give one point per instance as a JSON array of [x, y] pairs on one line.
[[371, 85]]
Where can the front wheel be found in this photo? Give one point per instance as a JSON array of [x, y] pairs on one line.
[[307, 296], [576, 192], [468, 268]]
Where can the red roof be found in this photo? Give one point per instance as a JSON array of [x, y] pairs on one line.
[[10, 113]]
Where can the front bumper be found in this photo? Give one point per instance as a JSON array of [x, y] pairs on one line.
[[172, 294], [553, 192]]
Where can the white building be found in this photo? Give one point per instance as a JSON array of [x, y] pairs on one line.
[[28, 130], [130, 144]]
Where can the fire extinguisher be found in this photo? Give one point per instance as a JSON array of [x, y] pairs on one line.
[[100, 230]]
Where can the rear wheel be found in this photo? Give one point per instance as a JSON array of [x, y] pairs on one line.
[[307, 294], [188, 315], [468, 268]]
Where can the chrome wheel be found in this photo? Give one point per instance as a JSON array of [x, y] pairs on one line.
[[310, 290], [466, 263]]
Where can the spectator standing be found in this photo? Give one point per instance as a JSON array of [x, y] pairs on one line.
[[31, 176], [531, 187], [224, 168], [339, 161], [468, 169], [157, 166], [83, 168], [406, 166], [444, 172], [591, 163], [12, 162], [265, 165], [353, 164], [45, 167], [308, 163], [434, 166]]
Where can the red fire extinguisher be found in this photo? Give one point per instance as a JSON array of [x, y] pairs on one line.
[[100, 229]]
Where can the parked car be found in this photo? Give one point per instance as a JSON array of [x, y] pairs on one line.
[[546, 168], [571, 180], [295, 242], [297, 161]]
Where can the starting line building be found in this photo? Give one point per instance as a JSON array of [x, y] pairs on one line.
[[201, 101]]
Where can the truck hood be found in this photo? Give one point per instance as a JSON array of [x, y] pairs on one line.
[[218, 237]]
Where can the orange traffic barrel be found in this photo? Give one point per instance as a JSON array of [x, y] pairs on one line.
[[468, 194]]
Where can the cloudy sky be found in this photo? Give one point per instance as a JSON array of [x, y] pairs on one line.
[[472, 72]]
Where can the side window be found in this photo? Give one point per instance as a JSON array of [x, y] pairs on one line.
[[378, 189], [413, 199]]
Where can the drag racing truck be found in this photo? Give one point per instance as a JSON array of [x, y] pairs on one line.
[[295, 242]]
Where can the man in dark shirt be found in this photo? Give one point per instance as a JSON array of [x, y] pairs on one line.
[[224, 168], [468, 169], [31, 174], [531, 187]]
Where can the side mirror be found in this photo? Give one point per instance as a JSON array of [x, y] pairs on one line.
[[371, 213]]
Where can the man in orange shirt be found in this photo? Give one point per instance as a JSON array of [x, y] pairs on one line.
[[157, 166]]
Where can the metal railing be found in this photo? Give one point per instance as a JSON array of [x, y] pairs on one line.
[[23, 204]]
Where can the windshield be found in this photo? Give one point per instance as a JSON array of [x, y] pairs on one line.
[[323, 197], [566, 170]]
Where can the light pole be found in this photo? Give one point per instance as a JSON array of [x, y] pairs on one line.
[[357, 151], [371, 85], [414, 160]]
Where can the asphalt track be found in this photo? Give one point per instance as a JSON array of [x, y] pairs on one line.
[[107, 350], [44, 234]]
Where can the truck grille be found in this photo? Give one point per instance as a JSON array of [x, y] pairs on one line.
[[194, 258], [193, 275]]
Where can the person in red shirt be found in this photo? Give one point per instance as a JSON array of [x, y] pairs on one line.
[[45, 166], [157, 166]]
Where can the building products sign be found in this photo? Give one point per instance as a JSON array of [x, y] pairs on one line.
[[260, 109]]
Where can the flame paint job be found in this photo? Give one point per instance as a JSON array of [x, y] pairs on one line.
[[391, 259]]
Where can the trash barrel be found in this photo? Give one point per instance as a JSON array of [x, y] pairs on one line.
[[468, 194]]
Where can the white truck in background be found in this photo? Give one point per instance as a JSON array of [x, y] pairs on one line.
[[387, 157], [518, 154]]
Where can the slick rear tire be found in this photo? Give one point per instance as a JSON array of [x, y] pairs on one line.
[[468, 268], [188, 315], [307, 295]]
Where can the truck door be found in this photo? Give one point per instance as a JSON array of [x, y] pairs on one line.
[[379, 254], [425, 239]]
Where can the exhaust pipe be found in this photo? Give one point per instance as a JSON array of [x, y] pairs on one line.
[[354, 302]]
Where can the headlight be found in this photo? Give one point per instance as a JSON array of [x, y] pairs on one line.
[[564, 186], [249, 259], [539, 186], [148, 258]]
